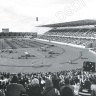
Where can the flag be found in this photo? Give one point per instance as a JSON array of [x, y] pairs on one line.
[[36, 18]]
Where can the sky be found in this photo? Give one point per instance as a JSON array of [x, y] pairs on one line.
[[20, 15]]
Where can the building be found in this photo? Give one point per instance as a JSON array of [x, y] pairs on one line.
[[5, 30]]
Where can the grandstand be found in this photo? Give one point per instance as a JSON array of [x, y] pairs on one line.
[[82, 32], [18, 34]]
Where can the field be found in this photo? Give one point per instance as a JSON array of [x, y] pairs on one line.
[[29, 55]]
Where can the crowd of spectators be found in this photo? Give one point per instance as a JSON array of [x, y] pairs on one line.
[[73, 32], [78, 36], [17, 34], [71, 40], [63, 83]]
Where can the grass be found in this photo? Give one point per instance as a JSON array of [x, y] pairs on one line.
[[66, 57]]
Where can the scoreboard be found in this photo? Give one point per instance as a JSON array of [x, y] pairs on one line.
[[89, 66]]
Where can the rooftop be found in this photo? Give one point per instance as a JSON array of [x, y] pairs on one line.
[[72, 23]]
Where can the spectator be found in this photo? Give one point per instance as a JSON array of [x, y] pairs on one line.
[[49, 90], [85, 89], [15, 89], [34, 88], [55, 81], [67, 89], [2, 93], [93, 88]]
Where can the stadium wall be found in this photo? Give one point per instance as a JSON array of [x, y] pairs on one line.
[[92, 52], [73, 45]]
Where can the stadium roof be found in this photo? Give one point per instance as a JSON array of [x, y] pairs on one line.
[[72, 23]]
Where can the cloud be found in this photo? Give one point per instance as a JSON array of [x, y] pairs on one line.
[[20, 15]]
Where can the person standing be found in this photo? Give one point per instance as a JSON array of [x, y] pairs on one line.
[[15, 89], [34, 88], [67, 89], [49, 90]]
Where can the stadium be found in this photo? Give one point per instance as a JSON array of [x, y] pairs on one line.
[[63, 48]]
